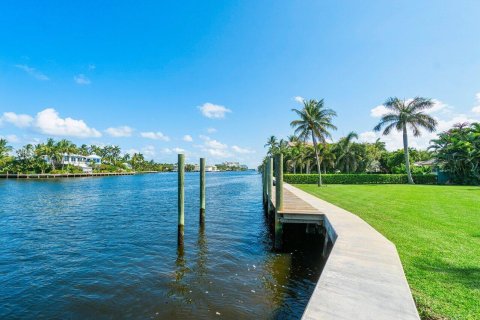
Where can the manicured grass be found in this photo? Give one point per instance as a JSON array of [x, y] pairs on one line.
[[437, 233]]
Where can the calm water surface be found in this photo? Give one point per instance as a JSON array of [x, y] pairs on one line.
[[106, 248]]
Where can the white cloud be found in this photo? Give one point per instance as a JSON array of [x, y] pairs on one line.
[[187, 138], [32, 72], [211, 130], [11, 138], [214, 147], [149, 151], [81, 79], [237, 149], [179, 150], [214, 111], [155, 135], [378, 111], [369, 136], [476, 109], [48, 122], [437, 106], [18, 120], [299, 99], [122, 131], [212, 143]]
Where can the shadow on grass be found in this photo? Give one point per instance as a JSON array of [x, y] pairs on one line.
[[468, 277]]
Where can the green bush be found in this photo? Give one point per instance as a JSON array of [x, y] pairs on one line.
[[359, 178]]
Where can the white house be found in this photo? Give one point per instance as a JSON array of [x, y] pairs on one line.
[[231, 164], [78, 160]]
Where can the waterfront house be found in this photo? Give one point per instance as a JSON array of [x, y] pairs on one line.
[[211, 169], [84, 162]]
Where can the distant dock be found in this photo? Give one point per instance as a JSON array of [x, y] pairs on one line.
[[61, 175]]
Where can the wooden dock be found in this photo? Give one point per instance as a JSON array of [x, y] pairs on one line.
[[284, 207], [61, 175], [295, 210]]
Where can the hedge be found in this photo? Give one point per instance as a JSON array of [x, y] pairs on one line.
[[359, 178]]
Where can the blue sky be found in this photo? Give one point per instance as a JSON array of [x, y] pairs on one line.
[[144, 75]]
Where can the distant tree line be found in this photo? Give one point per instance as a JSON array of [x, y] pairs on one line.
[[33, 158], [345, 156]]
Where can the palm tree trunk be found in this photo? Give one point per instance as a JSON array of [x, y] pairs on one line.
[[407, 158], [318, 160]]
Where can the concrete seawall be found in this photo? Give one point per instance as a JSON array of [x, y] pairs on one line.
[[363, 277], [61, 175]]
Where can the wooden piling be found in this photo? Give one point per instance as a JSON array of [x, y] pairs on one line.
[[264, 184], [269, 182], [202, 191], [181, 197], [278, 200]]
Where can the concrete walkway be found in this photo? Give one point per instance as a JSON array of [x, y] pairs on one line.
[[363, 277]]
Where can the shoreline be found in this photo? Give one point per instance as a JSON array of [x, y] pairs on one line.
[[61, 175]]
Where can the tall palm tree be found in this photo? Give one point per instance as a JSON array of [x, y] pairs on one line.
[[272, 145], [404, 115], [348, 158], [315, 122], [52, 152]]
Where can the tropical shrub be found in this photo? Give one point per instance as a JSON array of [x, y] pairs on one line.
[[457, 152]]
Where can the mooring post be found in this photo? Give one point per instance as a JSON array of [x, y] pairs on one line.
[[202, 191], [278, 200], [269, 182], [264, 184], [181, 194]]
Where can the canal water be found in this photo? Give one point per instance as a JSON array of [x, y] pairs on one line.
[[105, 248]]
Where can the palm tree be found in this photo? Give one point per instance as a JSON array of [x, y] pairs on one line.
[[66, 147], [328, 157], [4, 148], [272, 145], [407, 114], [53, 152], [348, 158], [315, 122]]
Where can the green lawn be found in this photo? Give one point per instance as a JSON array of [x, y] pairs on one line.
[[437, 233]]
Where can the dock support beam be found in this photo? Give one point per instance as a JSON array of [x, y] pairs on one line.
[[181, 195], [278, 200], [202, 191], [325, 244]]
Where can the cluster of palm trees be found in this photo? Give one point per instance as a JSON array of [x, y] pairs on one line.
[[312, 133]]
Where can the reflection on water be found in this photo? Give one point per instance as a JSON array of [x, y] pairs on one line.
[[107, 248]]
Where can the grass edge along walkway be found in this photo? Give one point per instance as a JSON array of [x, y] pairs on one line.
[[436, 230]]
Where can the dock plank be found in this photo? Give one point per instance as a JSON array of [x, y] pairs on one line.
[[293, 204]]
